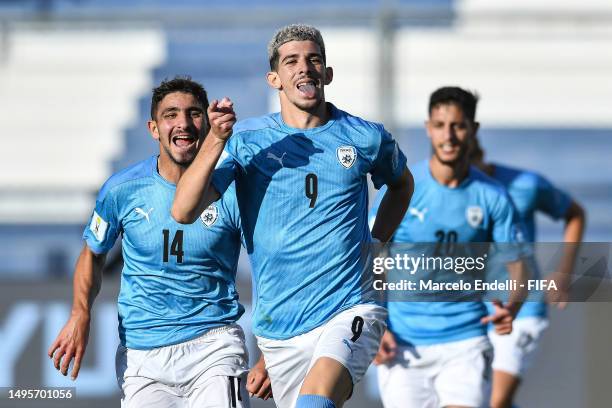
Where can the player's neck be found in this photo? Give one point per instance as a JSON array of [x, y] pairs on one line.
[[486, 168], [169, 170], [449, 175], [298, 118]]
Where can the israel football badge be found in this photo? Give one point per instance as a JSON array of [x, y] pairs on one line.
[[474, 216], [210, 215], [346, 156]]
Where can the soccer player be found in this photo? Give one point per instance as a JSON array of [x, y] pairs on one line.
[[530, 193], [437, 354], [178, 305], [302, 191]]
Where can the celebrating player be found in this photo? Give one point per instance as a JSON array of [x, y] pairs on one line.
[[302, 191], [530, 193], [178, 304], [437, 354]]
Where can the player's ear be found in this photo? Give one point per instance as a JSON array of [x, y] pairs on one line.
[[152, 125], [476, 127], [427, 126], [329, 75], [274, 80]]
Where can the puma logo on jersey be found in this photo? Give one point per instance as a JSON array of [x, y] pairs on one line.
[[419, 214], [143, 213], [275, 157]]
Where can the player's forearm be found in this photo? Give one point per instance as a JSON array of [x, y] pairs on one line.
[[393, 207], [87, 281], [574, 229], [261, 363], [193, 191], [519, 273], [574, 223]]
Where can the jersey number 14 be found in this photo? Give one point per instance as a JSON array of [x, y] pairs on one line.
[[175, 248]]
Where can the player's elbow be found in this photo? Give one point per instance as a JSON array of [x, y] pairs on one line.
[[404, 187], [182, 216], [576, 212]]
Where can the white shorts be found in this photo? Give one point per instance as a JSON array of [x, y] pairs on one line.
[[514, 352], [351, 337], [456, 373], [209, 371]]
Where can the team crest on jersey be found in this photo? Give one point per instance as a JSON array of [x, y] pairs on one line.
[[474, 216], [347, 155], [210, 215], [517, 234]]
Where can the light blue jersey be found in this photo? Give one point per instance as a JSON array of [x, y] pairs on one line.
[[177, 280], [303, 198], [530, 193], [478, 210]]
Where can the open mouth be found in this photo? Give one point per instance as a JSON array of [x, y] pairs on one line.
[[449, 148], [307, 88], [183, 141]]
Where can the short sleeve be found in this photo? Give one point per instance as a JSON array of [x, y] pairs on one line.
[[230, 205], [508, 230], [389, 163], [225, 172], [375, 205], [551, 200], [104, 226]]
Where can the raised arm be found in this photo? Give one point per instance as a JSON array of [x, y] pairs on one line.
[[193, 191], [393, 207], [71, 342]]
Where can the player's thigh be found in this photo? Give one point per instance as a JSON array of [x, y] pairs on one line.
[[179, 370], [212, 369], [147, 390], [464, 377], [220, 391], [287, 362], [514, 353], [143, 392], [352, 338], [221, 351], [403, 386], [328, 378]]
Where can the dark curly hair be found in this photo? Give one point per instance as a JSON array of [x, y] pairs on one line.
[[466, 100], [178, 84]]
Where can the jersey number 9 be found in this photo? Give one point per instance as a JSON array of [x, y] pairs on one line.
[[312, 188]]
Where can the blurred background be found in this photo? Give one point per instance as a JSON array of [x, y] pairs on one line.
[[75, 85]]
